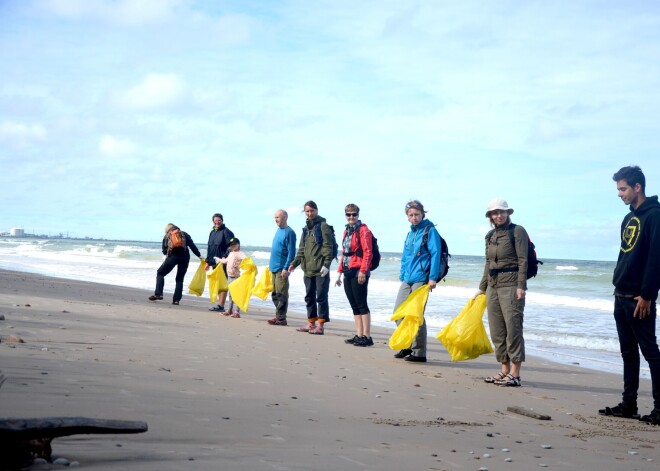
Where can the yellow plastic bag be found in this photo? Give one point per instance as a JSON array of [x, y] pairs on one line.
[[217, 282], [265, 284], [241, 288], [198, 282], [465, 336], [412, 312]]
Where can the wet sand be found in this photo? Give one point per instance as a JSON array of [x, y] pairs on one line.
[[239, 394]]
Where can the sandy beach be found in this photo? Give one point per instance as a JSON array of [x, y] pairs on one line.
[[239, 394]]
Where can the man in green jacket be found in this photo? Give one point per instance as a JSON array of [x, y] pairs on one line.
[[315, 254]]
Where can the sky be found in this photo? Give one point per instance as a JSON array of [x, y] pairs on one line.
[[118, 117]]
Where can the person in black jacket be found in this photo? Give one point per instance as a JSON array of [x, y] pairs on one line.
[[636, 283], [175, 246], [218, 248]]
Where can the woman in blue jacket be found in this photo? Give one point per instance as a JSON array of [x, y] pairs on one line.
[[420, 265]]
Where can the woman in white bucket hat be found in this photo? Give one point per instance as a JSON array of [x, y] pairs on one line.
[[505, 281]]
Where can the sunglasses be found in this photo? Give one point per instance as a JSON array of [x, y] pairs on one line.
[[348, 215], [414, 204]]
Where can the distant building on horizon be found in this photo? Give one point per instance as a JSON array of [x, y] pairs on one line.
[[17, 232]]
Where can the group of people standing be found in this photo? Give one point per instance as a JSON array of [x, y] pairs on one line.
[[504, 280]]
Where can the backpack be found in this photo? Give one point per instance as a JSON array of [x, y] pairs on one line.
[[375, 252], [319, 238], [176, 239], [532, 261], [444, 252]]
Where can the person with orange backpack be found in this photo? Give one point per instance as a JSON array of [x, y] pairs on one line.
[[175, 247]]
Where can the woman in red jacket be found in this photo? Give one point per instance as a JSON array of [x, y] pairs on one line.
[[354, 265]]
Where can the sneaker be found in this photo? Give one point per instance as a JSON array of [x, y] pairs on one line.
[[403, 353], [276, 321], [317, 330], [306, 328], [355, 338], [236, 315], [155, 297], [416, 359], [176, 303], [653, 418], [621, 410], [364, 342], [217, 308]]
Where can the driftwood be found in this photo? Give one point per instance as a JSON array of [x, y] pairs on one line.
[[528, 413], [22, 440]]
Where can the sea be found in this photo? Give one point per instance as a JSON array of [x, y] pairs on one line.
[[568, 312]]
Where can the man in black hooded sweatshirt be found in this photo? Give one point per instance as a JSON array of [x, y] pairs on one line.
[[636, 282]]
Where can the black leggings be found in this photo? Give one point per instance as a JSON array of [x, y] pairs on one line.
[[356, 292], [179, 261]]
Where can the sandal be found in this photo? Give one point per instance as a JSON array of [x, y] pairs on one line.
[[653, 418], [621, 410], [306, 328], [494, 379], [510, 381]]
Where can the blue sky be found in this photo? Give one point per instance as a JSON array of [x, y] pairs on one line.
[[117, 117]]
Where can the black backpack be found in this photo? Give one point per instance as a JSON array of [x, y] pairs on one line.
[[375, 252], [532, 261], [444, 252], [318, 236]]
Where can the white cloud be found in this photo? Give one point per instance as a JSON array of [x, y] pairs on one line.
[[155, 91], [115, 147], [21, 133]]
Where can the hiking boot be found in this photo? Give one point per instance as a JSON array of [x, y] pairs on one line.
[[653, 418], [620, 410], [403, 353], [364, 342], [276, 321], [155, 297], [352, 340], [317, 330], [217, 308]]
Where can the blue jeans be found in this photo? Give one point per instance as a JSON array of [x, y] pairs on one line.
[[637, 334]]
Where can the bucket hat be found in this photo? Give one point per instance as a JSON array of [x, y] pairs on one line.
[[498, 203]]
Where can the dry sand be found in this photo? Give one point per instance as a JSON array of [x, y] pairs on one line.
[[239, 394]]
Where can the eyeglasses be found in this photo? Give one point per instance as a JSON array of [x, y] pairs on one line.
[[414, 204], [348, 215]]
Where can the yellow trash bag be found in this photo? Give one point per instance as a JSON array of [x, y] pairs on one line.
[[199, 279], [465, 337], [217, 282], [241, 288], [265, 284], [412, 311]]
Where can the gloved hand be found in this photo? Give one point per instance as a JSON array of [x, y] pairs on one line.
[[324, 271], [478, 293], [217, 260]]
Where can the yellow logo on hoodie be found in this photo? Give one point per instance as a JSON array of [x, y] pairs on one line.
[[630, 234]]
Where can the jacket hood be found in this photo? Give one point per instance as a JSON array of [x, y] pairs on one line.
[[425, 222], [313, 222], [650, 203]]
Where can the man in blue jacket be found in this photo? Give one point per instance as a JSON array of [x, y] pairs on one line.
[[636, 283], [281, 256]]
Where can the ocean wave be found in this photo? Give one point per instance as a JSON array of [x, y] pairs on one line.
[[566, 268]]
